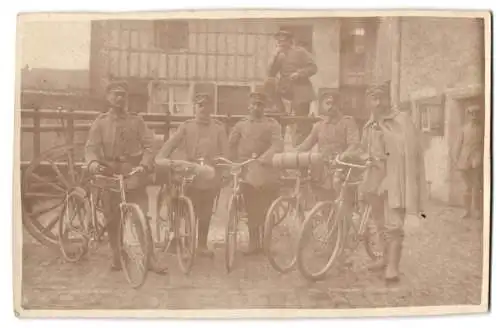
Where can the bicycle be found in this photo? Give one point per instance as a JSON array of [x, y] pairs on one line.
[[133, 224], [293, 204], [339, 225], [179, 223], [236, 208]]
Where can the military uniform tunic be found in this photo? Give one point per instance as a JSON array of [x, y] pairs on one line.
[[261, 136], [198, 139], [123, 141], [332, 136]]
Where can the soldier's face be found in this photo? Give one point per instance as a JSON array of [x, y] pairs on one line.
[[330, 108], [380, 103], [117, 99], [256, 108], [203, 109], [284, 43], [474, 114]]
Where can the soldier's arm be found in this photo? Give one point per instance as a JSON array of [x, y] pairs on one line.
[[234, 140], [147, 140], [308, 67], [277, 143], [93, 146], [352, 135], [172, 143], [458, 147], [274, 66], [223, 142], [310, 141]]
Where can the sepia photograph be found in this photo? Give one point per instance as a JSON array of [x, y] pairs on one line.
[[252, 163]]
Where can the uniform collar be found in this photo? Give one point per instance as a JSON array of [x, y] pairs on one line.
[[116, 115], [255, 119], [202, 120], [389, 116], [333, 120]]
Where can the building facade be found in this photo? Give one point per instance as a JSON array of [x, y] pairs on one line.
[[168, 61], [437, 67]]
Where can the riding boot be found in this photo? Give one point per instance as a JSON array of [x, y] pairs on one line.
[[254, 243], [116, 264], [153, 264], [202, 249], [395, 246], [467, 205], [381, 263]]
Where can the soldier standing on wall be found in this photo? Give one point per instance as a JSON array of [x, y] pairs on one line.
[[261, 136], [295, 66], [121, 141], [201, 137]]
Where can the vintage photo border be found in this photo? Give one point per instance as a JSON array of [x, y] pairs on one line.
[[255, 313]]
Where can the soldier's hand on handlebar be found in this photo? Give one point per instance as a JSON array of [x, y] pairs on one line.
[[97, 168]]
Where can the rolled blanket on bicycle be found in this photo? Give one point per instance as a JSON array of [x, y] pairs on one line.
[[205, 176], [297, 160]]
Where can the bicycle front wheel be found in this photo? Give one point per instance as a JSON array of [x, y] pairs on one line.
[[233, 233], [185, 230], [134, 252], [372, 233], [321, 240], [281, 230], [74, 226]]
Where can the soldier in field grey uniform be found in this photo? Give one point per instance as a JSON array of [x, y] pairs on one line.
[[259, 135], [335, 134], [468, 159], [121, 141], [201, 137]]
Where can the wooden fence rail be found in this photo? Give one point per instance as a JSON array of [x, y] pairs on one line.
[[71, 122]]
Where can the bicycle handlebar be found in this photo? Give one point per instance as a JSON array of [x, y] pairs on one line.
[[117, 176], [233, 164], [359, 166]]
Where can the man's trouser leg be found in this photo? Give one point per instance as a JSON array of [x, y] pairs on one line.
[[468, 178], [203, 203], [477, 192], [302, 128], [394, 229], [111, 209], [257, 202], [378, 214], [140, 197]]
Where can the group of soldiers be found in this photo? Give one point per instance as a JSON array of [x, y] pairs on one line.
[[122, 141]]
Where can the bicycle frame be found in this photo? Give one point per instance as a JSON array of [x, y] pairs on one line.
[[359, 229], [121, 190]]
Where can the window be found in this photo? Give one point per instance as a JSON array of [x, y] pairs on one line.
[[171, 35], [432, 115], [357, 44], [174, 98]]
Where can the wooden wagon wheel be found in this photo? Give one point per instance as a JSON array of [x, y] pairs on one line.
[[45, 183]]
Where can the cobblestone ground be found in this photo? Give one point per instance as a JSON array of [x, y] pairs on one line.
[[441, 265]]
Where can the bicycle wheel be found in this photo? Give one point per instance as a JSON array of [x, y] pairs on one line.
[[281, 230], [372, 236], [234, 235], [164, 220], [185, 230], [323, 224], [74, 226], [134, 252]]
